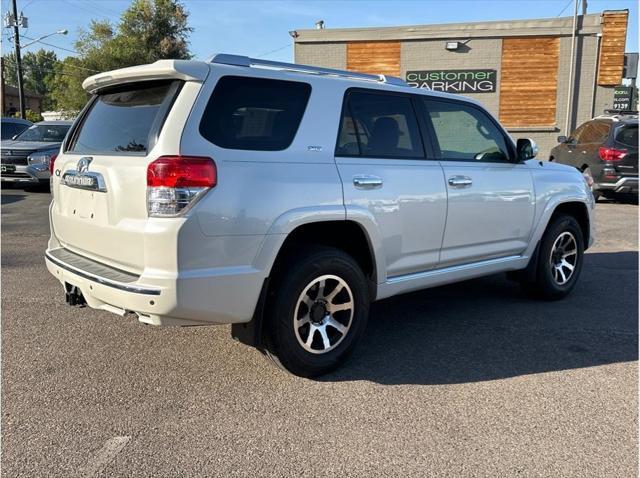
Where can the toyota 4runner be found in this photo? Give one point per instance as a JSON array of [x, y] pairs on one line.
[[284, 198]]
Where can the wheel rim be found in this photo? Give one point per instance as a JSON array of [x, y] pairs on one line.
[[323, 315], [563, 257]]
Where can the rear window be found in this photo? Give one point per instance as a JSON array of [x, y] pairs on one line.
[[628, 135], [254, 113], [126, 119]]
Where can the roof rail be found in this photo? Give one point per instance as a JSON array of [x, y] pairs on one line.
[[238, 60]]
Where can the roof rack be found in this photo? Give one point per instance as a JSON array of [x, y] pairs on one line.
[[616, 115], [238, 60]]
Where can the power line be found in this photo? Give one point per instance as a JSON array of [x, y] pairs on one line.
[[51, 45], [565, 7], [273, 51], [92, 11]]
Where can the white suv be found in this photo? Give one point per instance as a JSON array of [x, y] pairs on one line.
[[284, 198]]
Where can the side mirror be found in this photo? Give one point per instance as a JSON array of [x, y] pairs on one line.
[[526, 149], [14, 136], [562, 139]]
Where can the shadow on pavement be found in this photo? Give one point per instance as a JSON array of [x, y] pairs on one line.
[[11, 198], [488, 329]]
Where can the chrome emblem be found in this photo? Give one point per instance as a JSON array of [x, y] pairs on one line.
[[83, 165], [82, 178]]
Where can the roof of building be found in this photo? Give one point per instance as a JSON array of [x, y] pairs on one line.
[[13, 91], [588, 24], [55, 122]]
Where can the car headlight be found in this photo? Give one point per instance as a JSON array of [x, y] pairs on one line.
[[40, 158]]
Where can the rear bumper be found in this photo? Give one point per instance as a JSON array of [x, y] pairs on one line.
[[36, 174], [216, 297], [623, 185]]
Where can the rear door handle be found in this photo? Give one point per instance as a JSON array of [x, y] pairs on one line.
[[460, 181], [367, 182]]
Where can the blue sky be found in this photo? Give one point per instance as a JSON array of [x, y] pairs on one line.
[[260, 28]]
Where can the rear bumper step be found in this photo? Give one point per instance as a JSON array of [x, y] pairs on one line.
[[97, 272], [627, 184]]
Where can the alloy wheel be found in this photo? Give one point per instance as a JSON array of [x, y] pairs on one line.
[[563, 257], [323, 314]]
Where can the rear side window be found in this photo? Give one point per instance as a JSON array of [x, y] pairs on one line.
[[463, 132], [379, 125], [254, 114], [628, 135], [125, 120]]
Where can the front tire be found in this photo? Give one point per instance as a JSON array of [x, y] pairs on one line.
[[317, 312], [560, 258]]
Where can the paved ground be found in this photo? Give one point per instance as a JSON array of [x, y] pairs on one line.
[[473, 379]]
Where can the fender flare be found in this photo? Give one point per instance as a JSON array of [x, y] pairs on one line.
[[546, 215]]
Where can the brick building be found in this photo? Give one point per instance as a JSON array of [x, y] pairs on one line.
[[520, 70], [10, 101]]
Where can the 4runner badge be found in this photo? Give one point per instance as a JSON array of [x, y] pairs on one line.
[[82, 178]]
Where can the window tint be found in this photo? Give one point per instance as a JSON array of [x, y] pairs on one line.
[[9, 130], [577, 134], [465, 133], [628, 135], [124, 119], [51, 133], [382, 126], [594, 132], [254, 113]]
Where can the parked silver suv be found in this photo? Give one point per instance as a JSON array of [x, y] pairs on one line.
[[283, 199]]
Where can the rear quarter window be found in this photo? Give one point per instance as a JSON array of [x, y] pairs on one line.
[[628, 135], [125, 119], [254, 114]]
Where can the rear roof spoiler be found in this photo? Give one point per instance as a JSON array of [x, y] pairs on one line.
[[186, 70]]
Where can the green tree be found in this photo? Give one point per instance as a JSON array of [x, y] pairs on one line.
[[30, 116], [38, 70], [149, 30]]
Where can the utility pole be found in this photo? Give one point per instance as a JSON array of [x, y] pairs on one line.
[[16, 42], [584, 7]]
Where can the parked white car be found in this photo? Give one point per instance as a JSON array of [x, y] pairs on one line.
[[284, 198]]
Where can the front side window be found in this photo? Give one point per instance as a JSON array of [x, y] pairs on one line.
[[50, 133], [379, 125], [594, 132], [463, 132], [254, 114], [576, 136], [125, 118]]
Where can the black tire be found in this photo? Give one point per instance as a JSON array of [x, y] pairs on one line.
[[297, 273], [546, 286]]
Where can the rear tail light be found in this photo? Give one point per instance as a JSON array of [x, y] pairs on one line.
[[612, 154], [175, 183], [52, 161]]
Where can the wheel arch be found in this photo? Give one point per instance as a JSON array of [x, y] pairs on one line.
[[579, 211]]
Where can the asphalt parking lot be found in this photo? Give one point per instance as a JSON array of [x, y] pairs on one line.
[[472, 379]]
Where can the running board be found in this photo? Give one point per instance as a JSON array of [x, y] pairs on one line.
[[436, 277]]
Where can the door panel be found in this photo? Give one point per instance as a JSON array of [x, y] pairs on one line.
[[492, 216], [490, 196], [381, 159], [409, 208]]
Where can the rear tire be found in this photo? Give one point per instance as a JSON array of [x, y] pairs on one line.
[[560, 259], [317, 311]]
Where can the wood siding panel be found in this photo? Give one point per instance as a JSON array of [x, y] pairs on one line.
[[529, 81], [614, 35], [379, 58]]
